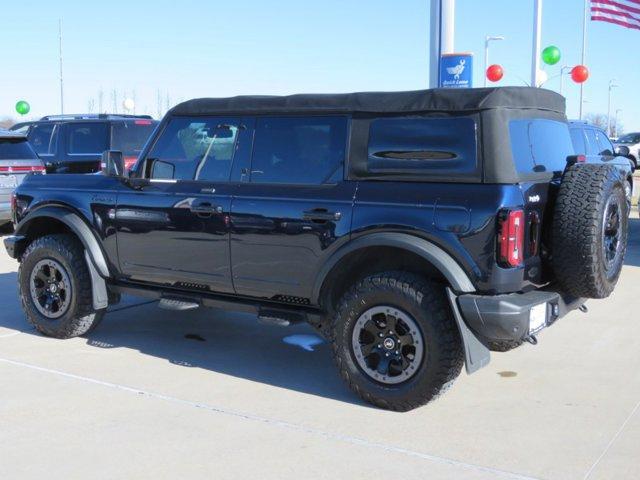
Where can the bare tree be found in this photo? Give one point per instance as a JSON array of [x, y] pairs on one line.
[[114, 100], [100, 100], [600, 121], [159, 104], [7, 122], [91, 103]]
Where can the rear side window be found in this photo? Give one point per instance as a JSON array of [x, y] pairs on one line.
[[540, 145], [604, 144], [427, 146], [298, 150], [42, 139], [87, 138], [130, 136], [16, 149], [577, 139], [195, 148]]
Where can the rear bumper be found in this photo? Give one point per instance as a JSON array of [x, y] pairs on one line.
[[482, 319], [509, 317]]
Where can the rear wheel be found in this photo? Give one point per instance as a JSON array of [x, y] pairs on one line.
[[55, 287], [395, 342]]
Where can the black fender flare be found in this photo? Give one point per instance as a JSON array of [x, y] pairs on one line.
[[77, 226], [445, 263]]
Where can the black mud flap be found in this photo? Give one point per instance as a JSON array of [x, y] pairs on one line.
[[476, 354]]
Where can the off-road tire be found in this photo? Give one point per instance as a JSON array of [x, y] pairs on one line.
[[80, 317], [427, 304], [577, 238]]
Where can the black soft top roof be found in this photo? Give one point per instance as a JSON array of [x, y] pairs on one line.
[[437, 100]]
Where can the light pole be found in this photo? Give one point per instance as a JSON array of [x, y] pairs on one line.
[[612, 85], [562, 69], [487, 39], [615, 122]]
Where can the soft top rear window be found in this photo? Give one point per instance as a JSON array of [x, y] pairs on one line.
[[16, 149], [422, 146], [540, 145], [130, 136]]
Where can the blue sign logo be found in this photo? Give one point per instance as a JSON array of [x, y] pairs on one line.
[[456, 70]]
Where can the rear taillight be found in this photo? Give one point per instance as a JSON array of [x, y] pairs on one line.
[[142, 122], [23, 169], [14, 204], [129, 162], [511, 238]]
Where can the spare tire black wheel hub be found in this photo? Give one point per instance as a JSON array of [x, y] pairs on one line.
[[611, 232]]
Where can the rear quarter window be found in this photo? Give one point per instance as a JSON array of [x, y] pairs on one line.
[[131, 135], [540, 145], [422, 146]]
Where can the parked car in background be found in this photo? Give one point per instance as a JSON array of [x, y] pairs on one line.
[[593, 143], [74, 143], [17, 159], [632, 142]]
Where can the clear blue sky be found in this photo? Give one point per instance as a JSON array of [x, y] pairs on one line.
[[220, 48]]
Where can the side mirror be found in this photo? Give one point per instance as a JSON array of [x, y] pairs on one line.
[[622, 150], [112, 163]]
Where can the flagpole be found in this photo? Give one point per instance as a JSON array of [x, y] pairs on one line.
[[584, 49], [60, 62], [537, 30]]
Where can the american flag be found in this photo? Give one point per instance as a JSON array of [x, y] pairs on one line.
[[621, 12]]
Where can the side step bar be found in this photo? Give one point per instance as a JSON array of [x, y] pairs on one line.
[[271, 313]]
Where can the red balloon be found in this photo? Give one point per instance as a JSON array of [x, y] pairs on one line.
[[494, 73], [579, 73]]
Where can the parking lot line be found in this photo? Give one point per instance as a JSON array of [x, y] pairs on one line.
[[497, 473], [612, 441]]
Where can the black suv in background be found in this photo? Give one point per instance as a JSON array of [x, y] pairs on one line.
[[74, 143], [593, 143], [416, 230]]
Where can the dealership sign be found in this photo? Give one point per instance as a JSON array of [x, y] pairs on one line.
[[456, 70]]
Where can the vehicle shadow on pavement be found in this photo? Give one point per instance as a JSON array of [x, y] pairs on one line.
[[632, 257], [294, 358]]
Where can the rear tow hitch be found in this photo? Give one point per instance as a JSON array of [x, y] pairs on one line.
[[532, 339]]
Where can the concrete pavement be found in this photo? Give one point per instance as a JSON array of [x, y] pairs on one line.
[[207, 394]]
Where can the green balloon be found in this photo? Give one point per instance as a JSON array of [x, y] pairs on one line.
[[22, 107], [551, 55]]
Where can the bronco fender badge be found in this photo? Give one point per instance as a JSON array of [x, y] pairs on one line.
[[534, 198]]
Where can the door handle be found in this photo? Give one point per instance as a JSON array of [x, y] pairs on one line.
[[322, 215]]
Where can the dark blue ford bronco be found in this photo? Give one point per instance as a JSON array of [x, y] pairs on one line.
[[416, 230]]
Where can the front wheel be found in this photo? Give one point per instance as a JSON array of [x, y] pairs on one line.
[[395, 341], [55, 287]]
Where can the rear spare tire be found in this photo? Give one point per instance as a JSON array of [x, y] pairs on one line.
[[590, 230]]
